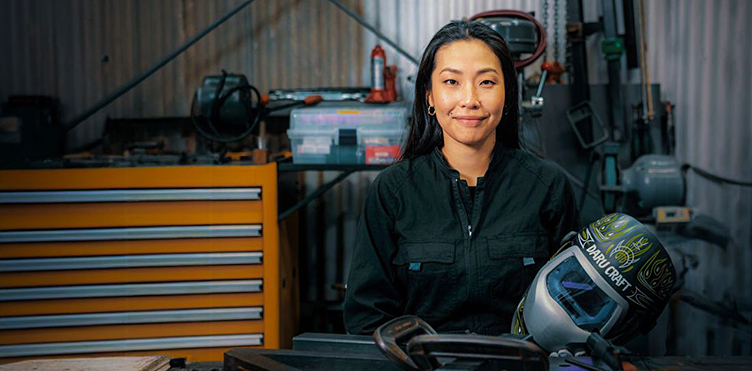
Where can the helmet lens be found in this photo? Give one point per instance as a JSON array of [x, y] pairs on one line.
[[570, 286]]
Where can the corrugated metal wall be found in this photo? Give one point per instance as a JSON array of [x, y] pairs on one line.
[[80, 50], [697, 51], [699, 54]]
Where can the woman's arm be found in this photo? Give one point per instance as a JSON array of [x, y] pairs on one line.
[[372, 298]]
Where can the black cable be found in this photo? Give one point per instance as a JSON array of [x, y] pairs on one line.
[[219, 101], [586, 183], [715, 178], [645, 363], [215, 103], [576, 181]]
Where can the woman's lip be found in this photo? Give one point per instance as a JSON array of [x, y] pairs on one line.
[[469, 118], [469, 121]]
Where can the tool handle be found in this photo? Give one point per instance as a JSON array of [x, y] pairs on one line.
[[392, 336], [313, 99]]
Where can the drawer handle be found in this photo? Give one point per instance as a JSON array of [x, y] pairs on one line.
[[132, 233], [129, 318], [129, 261], [131, 195], [182, 342], [139, 289]]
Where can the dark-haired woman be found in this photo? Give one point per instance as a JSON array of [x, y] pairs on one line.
[[456, 230]]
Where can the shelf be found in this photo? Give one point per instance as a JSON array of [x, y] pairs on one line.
[[286, 167]]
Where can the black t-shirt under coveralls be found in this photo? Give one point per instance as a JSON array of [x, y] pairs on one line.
[[424, 247]]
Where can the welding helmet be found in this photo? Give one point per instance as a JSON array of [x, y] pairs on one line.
[[613, 277]]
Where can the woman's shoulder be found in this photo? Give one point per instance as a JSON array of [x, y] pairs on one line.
[[546, 171], [393, 178]]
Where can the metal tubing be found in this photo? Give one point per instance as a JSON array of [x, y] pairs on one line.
[[318, 192], [373, 29], [580, 91], [130, 85], [614, 75]]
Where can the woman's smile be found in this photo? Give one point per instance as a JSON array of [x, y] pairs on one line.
[[469, 121]]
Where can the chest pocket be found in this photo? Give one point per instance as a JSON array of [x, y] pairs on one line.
[[429, 275], [513, 262], [518, 245]]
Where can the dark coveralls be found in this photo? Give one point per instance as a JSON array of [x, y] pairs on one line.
[[425, 246]]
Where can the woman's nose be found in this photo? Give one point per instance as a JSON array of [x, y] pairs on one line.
[[469, 97]]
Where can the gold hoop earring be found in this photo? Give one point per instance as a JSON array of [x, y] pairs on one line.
[[431, 110]]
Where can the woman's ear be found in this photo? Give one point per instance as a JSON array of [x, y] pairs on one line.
[[429, 98]]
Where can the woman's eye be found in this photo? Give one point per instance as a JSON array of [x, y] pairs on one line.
[[488, 82], [451, 82]]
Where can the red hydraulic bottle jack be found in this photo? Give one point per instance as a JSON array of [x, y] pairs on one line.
[[383, 78]]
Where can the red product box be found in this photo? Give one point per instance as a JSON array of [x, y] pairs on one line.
[[378, 155]]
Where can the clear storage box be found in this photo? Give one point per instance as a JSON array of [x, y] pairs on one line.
[[347, 135]]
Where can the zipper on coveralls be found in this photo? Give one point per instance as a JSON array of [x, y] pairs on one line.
[[461, 207]]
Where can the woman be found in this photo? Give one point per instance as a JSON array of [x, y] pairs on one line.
[[456, 230]]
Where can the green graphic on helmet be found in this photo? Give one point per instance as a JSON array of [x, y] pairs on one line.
[[613, 277]]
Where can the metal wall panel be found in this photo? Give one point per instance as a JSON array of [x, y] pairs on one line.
[[59, 48], [697, 55]]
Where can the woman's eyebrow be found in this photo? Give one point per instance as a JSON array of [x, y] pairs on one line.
[[482, 71], [487, 70], [452, 70]]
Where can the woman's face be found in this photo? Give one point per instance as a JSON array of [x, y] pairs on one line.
[[467, 91]]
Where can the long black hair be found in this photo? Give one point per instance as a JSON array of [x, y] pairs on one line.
[[424, 133]]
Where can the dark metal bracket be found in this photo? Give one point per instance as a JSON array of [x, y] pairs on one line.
[[345, 169]]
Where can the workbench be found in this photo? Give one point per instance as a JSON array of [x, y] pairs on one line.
[[313, 351]]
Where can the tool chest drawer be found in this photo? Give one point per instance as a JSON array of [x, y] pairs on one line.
[[179, 261]]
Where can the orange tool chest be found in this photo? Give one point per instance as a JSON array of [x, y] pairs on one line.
[[180, 261]]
